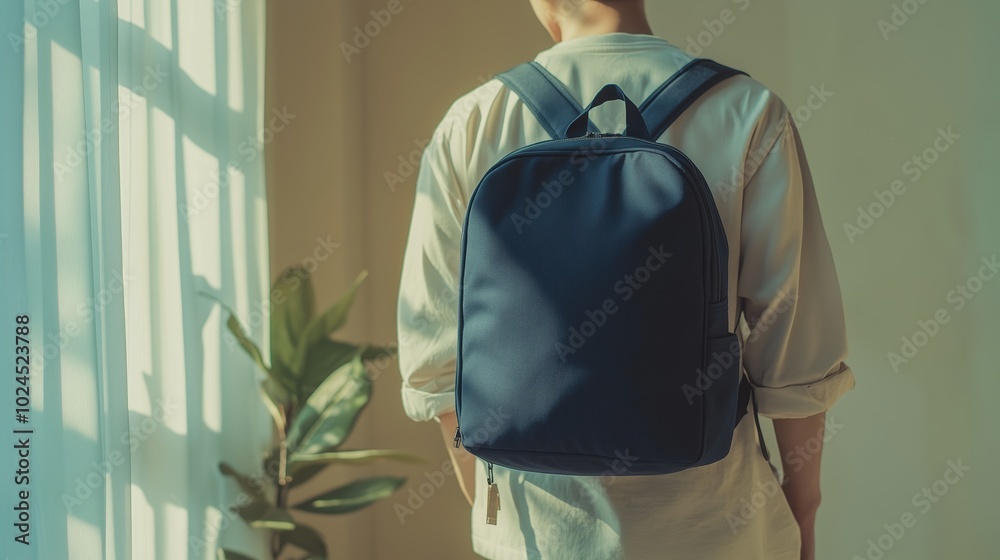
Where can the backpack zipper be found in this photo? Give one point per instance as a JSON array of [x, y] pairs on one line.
[[716, 229], [492, 494]]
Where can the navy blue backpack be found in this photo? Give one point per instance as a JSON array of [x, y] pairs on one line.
[[593, 319]]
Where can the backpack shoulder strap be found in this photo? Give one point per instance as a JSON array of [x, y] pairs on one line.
[[682, 89], [546, 97]]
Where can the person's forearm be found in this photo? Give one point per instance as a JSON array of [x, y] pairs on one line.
[[800, 443], [463, 461]]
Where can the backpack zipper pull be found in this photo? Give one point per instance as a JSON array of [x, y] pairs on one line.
[[492, 497], [458, 437]]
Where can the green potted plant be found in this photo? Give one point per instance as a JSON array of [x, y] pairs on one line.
[[315, 387]]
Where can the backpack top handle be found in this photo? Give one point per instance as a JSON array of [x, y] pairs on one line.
[[635, 125]]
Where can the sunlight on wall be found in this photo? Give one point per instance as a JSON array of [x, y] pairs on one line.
[[234, 50], [71, 249], [235, 196], [133, 13], [211, 361], [196, 47], [159, 20], [205, 183]]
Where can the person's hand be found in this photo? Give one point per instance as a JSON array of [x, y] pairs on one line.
[[808, 542], [800, 442], [803, 499]]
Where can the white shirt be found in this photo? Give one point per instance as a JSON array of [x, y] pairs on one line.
[[782, 281]]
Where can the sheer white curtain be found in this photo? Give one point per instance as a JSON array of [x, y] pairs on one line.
[[132, 198]]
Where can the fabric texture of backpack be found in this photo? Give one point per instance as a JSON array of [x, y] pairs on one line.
[[593, 318]]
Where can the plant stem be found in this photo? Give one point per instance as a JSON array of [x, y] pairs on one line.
[[281, 496]]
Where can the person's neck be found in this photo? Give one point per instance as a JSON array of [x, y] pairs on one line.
[[600, 19]]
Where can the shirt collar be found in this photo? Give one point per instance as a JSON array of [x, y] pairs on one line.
[[609, 41]]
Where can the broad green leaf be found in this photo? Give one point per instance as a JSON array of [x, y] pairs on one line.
[[337, 420], [258, 512], [324, 358], [248, 345], [223, 554], [330, 412], [254, 489], [291, 310], [306, 538], [330, 389], [265, 516], [276, 371], [306, 473], [353, 496], [299, 461], [331, 320]]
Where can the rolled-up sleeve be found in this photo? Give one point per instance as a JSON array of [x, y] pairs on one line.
[[796, 339], [427, 312]]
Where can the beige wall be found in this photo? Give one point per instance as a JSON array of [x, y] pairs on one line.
[[309, 166], [326, 178]]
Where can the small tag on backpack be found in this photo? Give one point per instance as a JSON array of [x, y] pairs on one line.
[[492, 504]]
